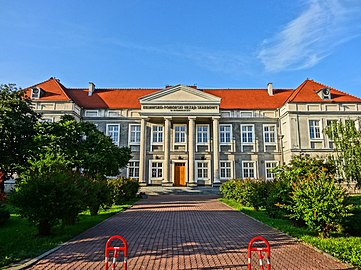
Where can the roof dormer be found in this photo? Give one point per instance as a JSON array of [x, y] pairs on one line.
[[324, 93], [35, 93]]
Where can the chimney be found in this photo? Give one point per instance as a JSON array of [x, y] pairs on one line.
[[270, 89], [91, 88]]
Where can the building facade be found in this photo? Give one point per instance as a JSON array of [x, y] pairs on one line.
[[184, 136]]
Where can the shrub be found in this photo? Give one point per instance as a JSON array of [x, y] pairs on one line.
[[319, 203], [4, 214], [45, 199], [123, 189], [278, 196], [352, 222], [248, 192], [97, 194]]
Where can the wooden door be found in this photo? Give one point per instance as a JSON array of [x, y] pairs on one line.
[[179, 174]]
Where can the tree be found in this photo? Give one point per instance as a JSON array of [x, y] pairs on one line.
[[85, 148], [82, 148], [347, 143], [17, 120]]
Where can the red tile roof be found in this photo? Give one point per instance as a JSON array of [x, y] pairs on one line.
[[247, 99], [109, 98], [250, 98], [53, 90], [307, 92]]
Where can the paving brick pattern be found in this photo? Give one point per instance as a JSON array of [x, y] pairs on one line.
[[184, 232]]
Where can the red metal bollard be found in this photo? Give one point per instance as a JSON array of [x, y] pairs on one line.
[[259, 251], [116, 251]]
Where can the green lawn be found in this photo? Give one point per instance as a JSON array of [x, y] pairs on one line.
[[19, 239], [345, 248]]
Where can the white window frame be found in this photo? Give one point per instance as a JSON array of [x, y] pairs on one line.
[[180, 132], [107, 132], [133, 167], [32, 93], [268, 168], [130, 142], [202, 125], [151, 162], [320, 130], [243, 113], [158, 132], [274, 133], [253, 137], [223, 132], [208, 169], [87, 112], [225, 168], [248, 168]]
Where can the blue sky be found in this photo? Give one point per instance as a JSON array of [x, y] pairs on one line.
[[209, 43]]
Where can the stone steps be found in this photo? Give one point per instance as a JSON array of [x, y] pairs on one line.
[[158, 190]]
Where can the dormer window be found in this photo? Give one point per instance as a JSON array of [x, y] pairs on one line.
[[325, 93], [35, 93]]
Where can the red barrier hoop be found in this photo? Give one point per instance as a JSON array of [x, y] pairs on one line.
[[116, 251], [259, 251]]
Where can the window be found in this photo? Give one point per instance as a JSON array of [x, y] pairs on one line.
[[269, 134], [113, 133], [226, 169], [202, 170], [246, 114], [133, 169], [134, 137], [157, 134], [315, 129], [157, 169], [330, 124], [35, 93], [180, 134], [269, 166], [91, 113], [50, 120], [247, 133], [225, 134], [202, 134], [248, 169]]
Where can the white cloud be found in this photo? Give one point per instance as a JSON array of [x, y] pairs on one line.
[[312, 36]]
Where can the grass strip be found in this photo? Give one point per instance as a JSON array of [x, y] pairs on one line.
[[19, 239], [345, 248]]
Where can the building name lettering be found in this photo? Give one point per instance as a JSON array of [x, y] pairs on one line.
[[180, 107]]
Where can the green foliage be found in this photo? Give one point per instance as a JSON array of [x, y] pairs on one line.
[[286, 176], [347, 144], [97, 194], [82, 145], [319, 203], [17, 120], [123, 189], [249, 192], [4, 214], [44, 199], [352, 223]]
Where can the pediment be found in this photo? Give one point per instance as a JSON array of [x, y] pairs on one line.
[[180, 94]]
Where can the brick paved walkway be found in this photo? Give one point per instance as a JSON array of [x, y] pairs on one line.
[[184, 232]]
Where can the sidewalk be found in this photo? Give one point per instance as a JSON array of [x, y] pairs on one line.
[[184, 232]]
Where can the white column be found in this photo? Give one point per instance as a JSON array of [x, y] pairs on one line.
[[142, 152], [166, 150], [216, 180], [191, 154]]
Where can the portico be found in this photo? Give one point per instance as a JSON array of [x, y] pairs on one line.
[[179, 140]]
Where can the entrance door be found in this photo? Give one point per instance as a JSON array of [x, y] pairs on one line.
[[179, 174]]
